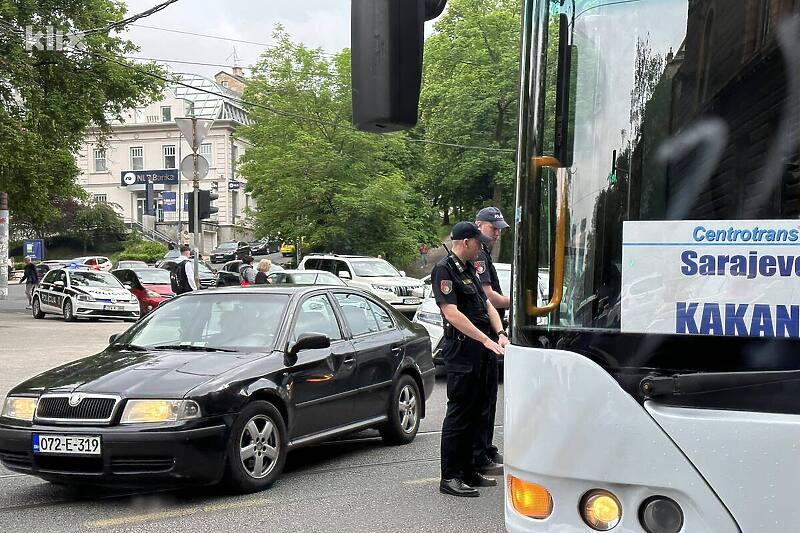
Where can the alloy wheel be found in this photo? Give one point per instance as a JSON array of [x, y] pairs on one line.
[[258, 446], [407, 406]]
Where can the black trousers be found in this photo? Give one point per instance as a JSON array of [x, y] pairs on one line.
[[466, 375], [483, 450]]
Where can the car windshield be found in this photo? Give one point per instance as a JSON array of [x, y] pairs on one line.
[[94, 279], [221, 321], [228, 246], [374, 269], [153, 276]]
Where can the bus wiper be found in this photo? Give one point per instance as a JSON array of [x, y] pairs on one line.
[[190, 348], [702, 382]]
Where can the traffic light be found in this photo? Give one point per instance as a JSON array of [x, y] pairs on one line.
[[205, 209]]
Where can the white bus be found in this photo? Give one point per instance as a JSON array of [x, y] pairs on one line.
[[659, 181]]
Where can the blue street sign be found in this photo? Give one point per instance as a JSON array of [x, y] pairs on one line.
[[168, 198], [234, 185], [34, 248]]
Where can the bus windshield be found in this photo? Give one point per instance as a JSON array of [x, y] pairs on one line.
[[671, 126]]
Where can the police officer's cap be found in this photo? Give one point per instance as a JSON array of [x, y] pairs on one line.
[[468, 230], [493, 215]]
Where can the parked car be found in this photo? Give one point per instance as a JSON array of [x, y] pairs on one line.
[[288, 249], [151, 286], [375, 275], [229, 251], [132, 264], [228, 274], [207, 276], [172, 254], [305, 277], [265, 246], [219, 386], [430, 316], [95, 262], [46, 266], [83, 293]]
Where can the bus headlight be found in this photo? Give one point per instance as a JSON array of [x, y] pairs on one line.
[[660, 514], [601, 510], [529, 499]]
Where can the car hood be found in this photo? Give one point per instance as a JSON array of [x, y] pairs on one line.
[[137, 374], [394, 281], [429, 305], [103, 293]]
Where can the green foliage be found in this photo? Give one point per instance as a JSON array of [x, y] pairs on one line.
[[469, 97], [96, 224], [339, 189], [138, 249], [49, 98]]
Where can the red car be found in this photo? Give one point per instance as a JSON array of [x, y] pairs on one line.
[[150, 285]]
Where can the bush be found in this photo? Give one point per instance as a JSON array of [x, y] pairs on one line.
[[146, 251]]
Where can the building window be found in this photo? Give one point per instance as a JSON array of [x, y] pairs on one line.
[[169, 156], [225, 83], [166, 114], [205, 151], [137, 158], [101, 198], [100, 160]]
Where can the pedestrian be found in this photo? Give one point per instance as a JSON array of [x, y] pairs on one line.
[[247, 275], [184, 272], [423, 253], [31, 279], [264, 267], [10, 267], [486, 457], [471, 343]]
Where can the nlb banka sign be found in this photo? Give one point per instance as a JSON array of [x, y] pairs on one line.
[[738, 278], [53, 39]]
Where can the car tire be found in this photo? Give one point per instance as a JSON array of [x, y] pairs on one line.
[[36, 307], [67, 311], [404, 410], [249, 445]]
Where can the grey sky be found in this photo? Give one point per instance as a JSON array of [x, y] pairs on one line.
[[317, 23]]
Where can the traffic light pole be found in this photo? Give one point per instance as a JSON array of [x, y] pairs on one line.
[[196, 215]]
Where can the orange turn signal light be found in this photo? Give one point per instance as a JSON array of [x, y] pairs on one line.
[[529, 499]]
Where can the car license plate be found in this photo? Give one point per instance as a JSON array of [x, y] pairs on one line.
[[66, 444], [113, 308], [412, 301]]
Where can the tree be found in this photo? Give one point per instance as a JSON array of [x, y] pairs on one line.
[[469, 97], [312, 175], [98, 223], [50, 97]]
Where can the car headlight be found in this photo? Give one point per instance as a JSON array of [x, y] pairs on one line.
[[387, 288], [20, 408], [152, 294], [150, 411], [430, 318], [85, 298]]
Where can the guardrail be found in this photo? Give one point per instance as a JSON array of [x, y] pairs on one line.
[[147, 233]]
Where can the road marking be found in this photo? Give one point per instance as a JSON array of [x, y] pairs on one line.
[[425, 481], [177, 513]]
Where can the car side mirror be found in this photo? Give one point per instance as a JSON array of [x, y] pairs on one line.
[[113, 338], [127, 286], [344, 274], [306, 341], [403, 273]]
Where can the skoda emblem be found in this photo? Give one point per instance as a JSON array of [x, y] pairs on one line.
[[76, 398]]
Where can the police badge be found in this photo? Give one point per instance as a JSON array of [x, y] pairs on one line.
[[480, 267], [446, 286]]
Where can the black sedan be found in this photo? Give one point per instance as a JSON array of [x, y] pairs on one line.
[[230, 251], [219, 385]]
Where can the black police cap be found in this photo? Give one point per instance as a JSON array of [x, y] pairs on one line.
[[493, 215], [468, 230]]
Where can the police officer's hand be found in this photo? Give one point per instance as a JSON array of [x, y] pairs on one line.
[[502, 341], [495, 348]]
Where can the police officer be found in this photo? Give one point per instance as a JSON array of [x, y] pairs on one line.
[[491, 222], [471, 345]]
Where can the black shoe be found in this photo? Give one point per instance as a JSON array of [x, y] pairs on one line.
[[479, 480], [490, 468], [497, 458], [456, 487]]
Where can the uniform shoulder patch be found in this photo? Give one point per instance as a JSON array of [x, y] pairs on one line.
[[480, 267], [446, 286]]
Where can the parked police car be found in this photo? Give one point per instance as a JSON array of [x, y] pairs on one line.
[[83, 293]]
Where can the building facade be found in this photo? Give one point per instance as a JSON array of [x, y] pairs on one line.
[[147, 144]]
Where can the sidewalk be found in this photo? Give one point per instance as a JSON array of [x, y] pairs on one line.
[[418, 270]]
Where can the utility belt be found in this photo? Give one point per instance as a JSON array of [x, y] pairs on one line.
[[450, 332]]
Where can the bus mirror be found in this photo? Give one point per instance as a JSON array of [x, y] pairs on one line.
[[387, 38]]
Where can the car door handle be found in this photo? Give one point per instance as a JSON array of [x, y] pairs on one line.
[[397, 350], [349, 360]]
